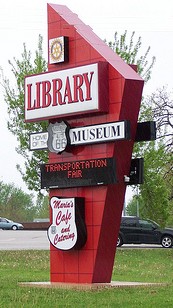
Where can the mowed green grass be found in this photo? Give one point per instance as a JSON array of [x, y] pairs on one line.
[[143, 265]]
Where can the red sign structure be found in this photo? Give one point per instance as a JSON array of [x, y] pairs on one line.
[[91, 85]]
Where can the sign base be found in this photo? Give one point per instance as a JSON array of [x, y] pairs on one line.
[[88, 286]]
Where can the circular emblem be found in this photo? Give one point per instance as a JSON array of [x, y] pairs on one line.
[[56, 50]]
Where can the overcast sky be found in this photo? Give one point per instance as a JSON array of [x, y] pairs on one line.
[[23, 21]]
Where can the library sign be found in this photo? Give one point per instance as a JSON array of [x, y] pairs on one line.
[[67, 92]]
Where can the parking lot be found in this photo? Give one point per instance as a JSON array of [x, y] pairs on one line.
[[37, 240], [21, 239]]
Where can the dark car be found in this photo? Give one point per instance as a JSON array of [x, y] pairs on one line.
[[7, 224], [134, 230]]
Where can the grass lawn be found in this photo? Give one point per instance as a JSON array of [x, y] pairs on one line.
[[144, 265]]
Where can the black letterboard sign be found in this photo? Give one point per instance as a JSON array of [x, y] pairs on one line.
[[91, 172]]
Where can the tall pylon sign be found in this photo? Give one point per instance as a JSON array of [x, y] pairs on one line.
[[91, 99]]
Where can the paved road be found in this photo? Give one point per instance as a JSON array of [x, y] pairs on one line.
[[138, 246], [21, 239], [24, 239]]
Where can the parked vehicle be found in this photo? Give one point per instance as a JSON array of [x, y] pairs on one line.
[[134, 230], [7, 224]]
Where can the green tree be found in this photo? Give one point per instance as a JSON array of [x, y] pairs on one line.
[[16, 204], [129, 52], [156, 194], [133, 206], [155, 191], [42, 204], [14, 98], [160, 106]]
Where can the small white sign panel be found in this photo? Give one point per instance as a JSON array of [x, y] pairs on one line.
[[61, 93], [38, 141], [62, 233]]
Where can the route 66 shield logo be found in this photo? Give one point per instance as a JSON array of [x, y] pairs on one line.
[[58, 136]]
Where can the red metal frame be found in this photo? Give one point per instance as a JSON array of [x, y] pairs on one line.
[[103, 204]]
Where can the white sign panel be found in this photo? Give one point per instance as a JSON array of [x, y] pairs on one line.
[[59, 93], [98, 133], [86, 135], [38, 141], [62, 233]]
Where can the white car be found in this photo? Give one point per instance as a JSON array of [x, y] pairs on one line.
[[7, 224]]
